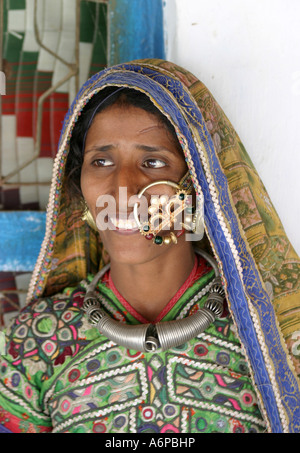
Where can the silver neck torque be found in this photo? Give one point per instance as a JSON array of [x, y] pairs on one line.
[[163, 335]]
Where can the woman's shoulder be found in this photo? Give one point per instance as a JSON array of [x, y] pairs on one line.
[[42, 315], [47, 331]]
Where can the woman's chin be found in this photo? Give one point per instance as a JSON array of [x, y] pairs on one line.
[[131, 247]]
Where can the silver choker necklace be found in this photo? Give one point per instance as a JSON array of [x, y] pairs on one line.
[[163, 335]]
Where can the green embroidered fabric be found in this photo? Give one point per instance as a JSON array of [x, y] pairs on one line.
[[63, 375]]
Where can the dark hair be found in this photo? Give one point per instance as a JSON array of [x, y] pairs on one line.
[[104, 99]]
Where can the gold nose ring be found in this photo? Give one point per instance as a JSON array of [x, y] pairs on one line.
[[141, 193], [146, 228]]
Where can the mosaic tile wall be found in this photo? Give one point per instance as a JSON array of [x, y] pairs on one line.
[[30, 71]]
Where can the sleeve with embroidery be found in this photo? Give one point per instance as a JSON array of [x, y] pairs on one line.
[[19, 402], [20, 375], [38, 342]]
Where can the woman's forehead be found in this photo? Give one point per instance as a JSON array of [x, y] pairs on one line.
[[118, 124]]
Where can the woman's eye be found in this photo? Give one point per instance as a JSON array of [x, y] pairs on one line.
[[154, 163], [102, 163]]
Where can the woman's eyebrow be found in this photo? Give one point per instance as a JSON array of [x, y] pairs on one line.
[[100, 148], [151, 149], [146, 148]]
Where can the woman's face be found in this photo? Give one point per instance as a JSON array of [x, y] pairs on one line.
[[127, 148]]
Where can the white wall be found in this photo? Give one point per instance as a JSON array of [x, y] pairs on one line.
[[247, 52]]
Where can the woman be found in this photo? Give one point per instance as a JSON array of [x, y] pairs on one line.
[[131, 326]]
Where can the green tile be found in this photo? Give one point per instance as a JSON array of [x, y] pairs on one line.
[[99, 55], [87, 21], [12, 47], [16, 4]]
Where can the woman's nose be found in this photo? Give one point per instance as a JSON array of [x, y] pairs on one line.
[[127, 183]]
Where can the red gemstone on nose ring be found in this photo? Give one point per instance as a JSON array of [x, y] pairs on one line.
[[180, 233], [149, 236]]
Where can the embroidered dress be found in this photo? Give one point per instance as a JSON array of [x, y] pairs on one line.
[[62, 373], [45, 379]]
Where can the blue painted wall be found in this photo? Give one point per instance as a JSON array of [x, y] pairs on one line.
[[21, 236], [135, 30]]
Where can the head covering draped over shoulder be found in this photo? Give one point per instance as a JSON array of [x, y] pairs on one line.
[[259, 267]]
